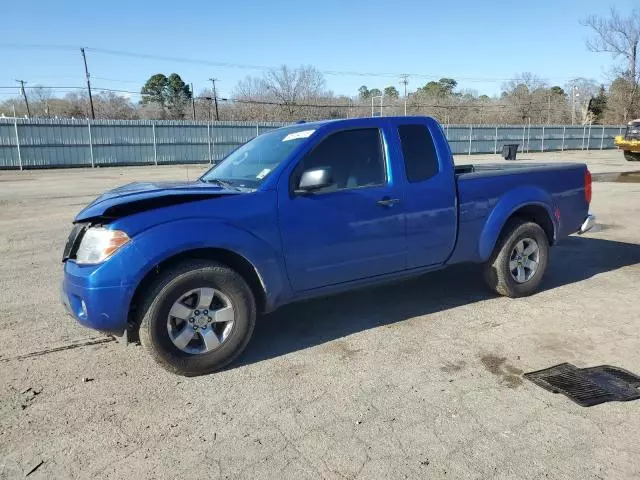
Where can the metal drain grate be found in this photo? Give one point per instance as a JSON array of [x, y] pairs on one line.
[[588, 386]]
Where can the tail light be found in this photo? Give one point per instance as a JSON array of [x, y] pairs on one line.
[[587, 185]]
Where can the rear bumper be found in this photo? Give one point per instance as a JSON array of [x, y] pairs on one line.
[[588, 223]]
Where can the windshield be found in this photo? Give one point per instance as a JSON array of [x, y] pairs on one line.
[[633, 127], [251, 164]]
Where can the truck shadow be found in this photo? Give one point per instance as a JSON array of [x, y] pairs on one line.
[[314, 322]]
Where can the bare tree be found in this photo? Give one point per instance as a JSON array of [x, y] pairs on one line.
[[282, 94], [527, 95], [251, 89], [12, 106], [111, 105], [618, 111], [40, 99], [289, 87], [151, 111], [619, 36], [286, 94], [581, 91], [75, 105]]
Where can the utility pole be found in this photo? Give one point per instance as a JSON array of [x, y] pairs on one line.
[[86, 72], [574, 94], [215, 96], [24, 95], [405, 81], [209, 102], [381, 97], [193, 102]]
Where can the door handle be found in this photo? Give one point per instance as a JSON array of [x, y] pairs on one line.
[[387, 202]]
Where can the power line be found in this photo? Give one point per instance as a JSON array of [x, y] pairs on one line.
[[267, 67], [35, 87], [123, 53], [149, 56], [57, 87], [116, 80], [346, 105], [38, 46]]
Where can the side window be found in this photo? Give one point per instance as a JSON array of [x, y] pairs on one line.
[[355, 158], [420, 157]]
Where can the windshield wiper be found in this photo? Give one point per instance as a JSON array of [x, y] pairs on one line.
[[221, 183]]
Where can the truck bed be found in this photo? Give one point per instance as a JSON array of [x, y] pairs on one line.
[[492, 169], [482, 189]]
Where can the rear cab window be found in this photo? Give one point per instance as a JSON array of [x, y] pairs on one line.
[[419, 152]]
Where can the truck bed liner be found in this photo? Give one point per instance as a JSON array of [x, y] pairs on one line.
[[493, 169]]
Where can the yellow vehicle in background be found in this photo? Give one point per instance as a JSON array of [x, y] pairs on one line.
[[629, 143]]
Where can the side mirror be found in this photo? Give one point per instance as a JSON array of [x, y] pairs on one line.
[[314, 180]]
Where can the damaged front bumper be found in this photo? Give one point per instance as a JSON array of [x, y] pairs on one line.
[[101, 308], [99, 296]]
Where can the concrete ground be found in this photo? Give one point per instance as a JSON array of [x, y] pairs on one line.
[[420, 379]]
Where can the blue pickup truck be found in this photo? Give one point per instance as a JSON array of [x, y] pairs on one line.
[[306, 210]]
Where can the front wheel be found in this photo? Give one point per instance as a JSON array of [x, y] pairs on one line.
[[197, 318], [631, 156], [519, 259]]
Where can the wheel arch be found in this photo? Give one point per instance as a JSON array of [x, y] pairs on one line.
[[224, 256], [537, 208], [536, 214]]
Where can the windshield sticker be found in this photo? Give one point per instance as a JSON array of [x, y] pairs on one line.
[[297, 135], [263, 173]]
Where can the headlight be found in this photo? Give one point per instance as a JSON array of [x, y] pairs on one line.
[[100, 243]]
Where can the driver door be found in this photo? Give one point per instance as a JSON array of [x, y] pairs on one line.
[[352, 229]]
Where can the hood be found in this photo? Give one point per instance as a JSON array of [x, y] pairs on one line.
[[141, 196]]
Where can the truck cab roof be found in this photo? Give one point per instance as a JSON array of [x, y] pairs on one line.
[[358, 121]]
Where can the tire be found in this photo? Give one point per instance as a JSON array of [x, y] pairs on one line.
[[171, 288], [497, 272], [631, 156]]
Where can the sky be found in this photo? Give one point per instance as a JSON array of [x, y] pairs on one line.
[[480, 44]]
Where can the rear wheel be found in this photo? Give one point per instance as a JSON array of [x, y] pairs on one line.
[[632, 156], [519, 259], [197, 318]]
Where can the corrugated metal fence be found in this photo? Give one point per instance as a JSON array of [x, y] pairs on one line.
[[46, 143], [530, 138]]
